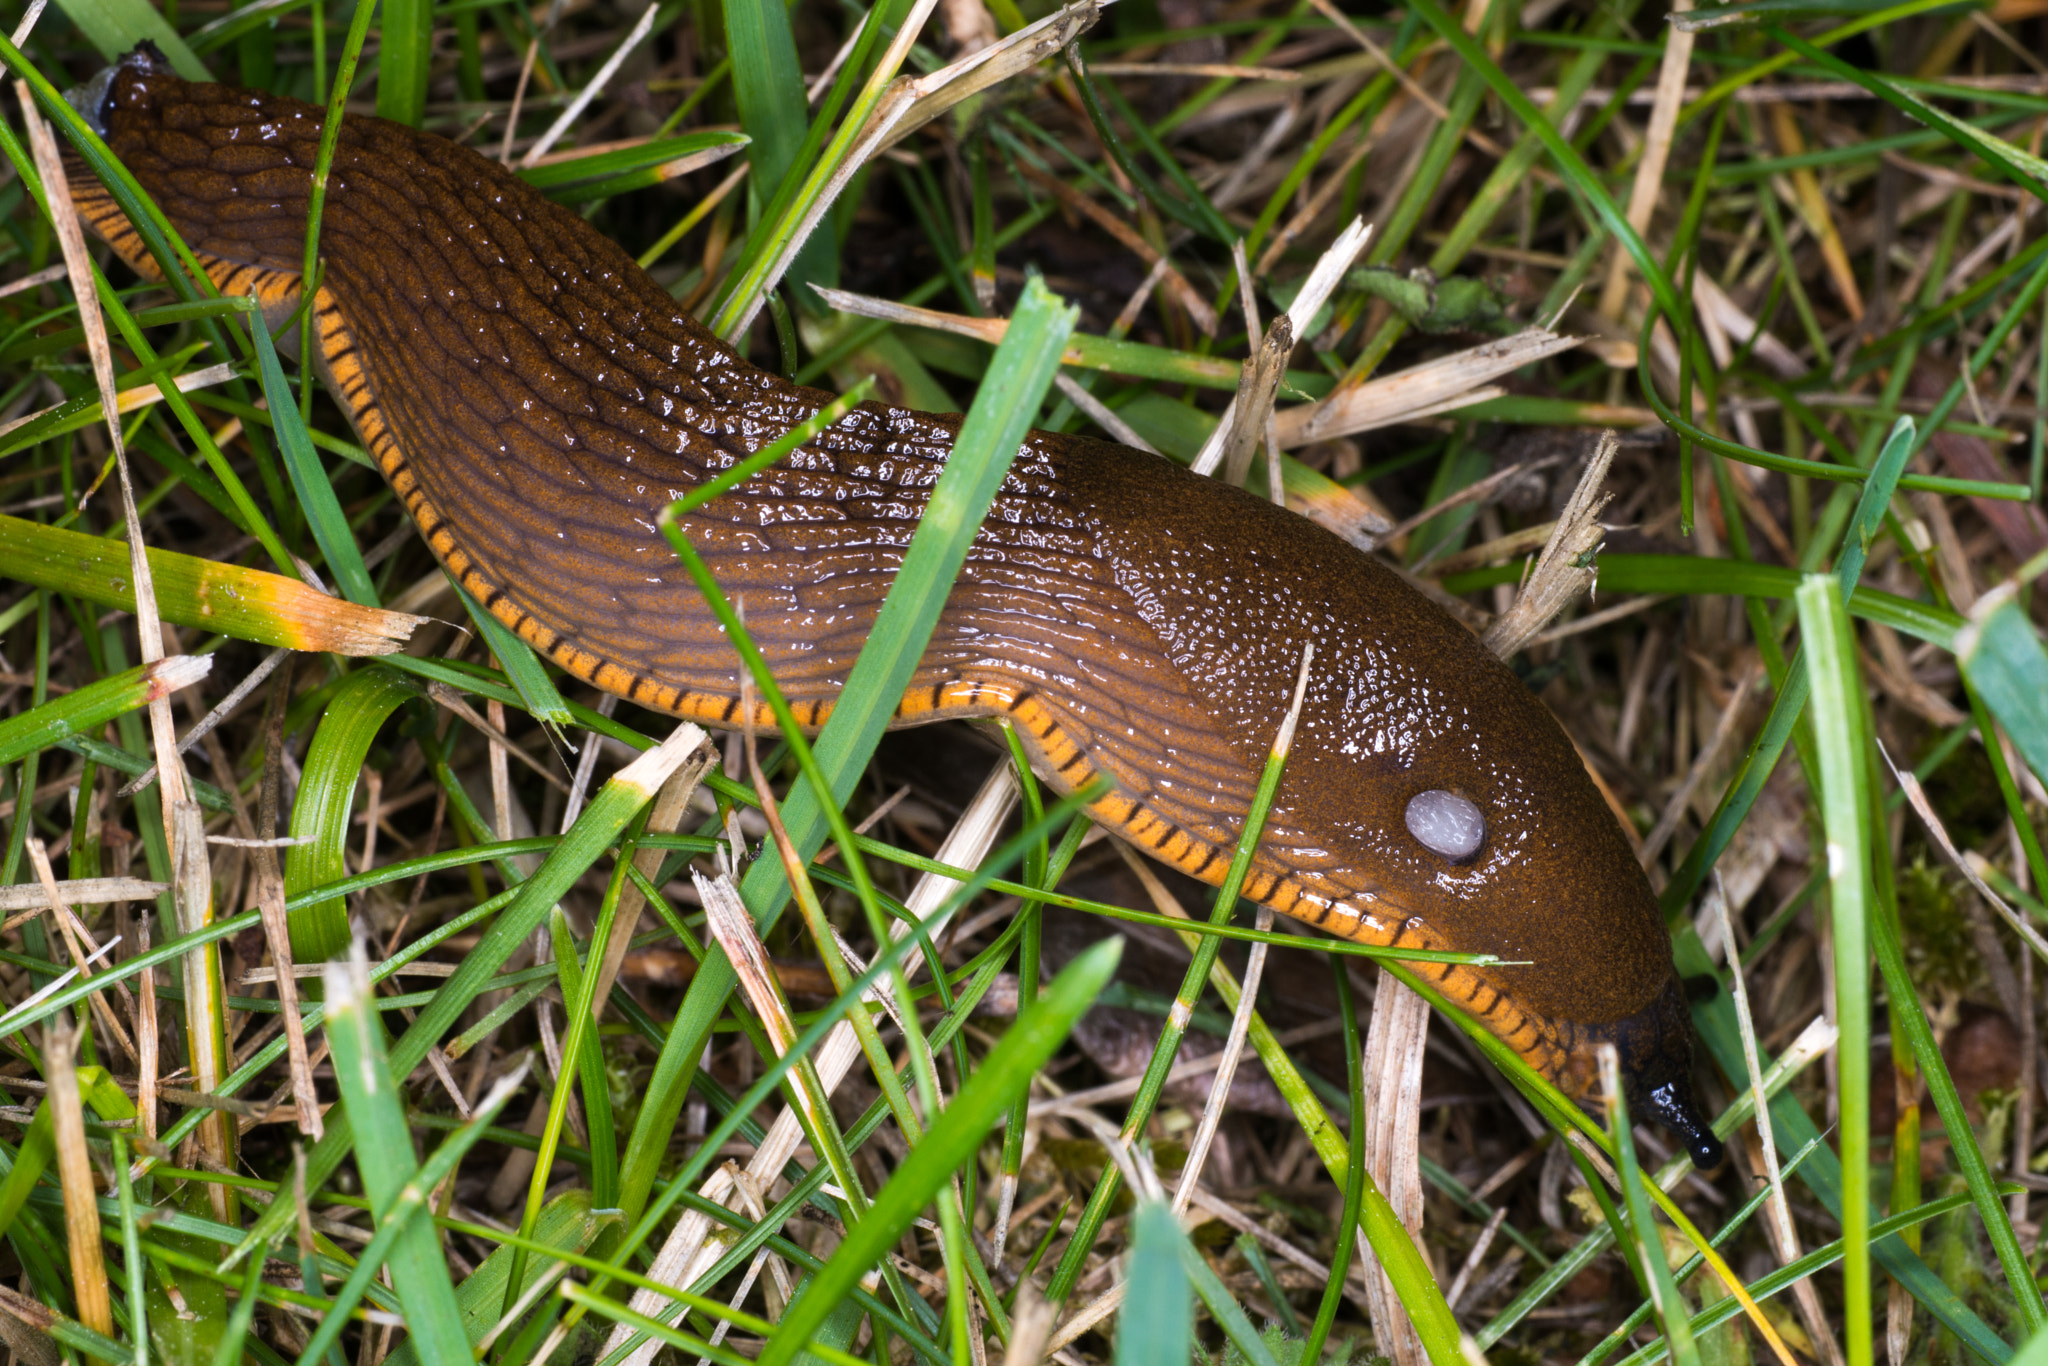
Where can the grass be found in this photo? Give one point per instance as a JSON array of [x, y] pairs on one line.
[[1829, 328]]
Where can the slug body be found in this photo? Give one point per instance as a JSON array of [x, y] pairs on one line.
[[536, 400]]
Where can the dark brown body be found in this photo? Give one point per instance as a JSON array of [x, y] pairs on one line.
[[537, 399]]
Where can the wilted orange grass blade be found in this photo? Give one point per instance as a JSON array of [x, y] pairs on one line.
[[248, 604]]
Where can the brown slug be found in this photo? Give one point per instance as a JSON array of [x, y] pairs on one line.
[[535, 399]]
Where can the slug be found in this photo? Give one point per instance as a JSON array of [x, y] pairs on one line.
[[536, 399]]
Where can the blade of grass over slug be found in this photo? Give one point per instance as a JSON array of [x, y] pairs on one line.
[[525, 909], [92, 706], [529, 677], [327, 791], [310, 481], [952, 1138], [989, 437], [777, 450], [247, 604], [1842, 739]]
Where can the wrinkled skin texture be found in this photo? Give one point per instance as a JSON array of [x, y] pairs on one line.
[[536, 400]]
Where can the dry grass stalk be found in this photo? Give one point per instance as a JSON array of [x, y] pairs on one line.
[[928, 97], [1703, 764], [219, 712], [1253, 409], [1394, 1046], [75, 1172], [1811, 202], [594, 87], [1435, 386], [141, 396], [1560, 573], [1784, 1238], [148, 624], [1101, 414], [911, 102], [25, 1327], [1175, 283], [1315, 291], [78, 941], [1916, 796], [671, 804], [1656, 152], [270, 900], [205, 1036], [34, 898]]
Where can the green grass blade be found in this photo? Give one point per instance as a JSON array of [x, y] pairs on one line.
[[525, 908], [1815, 1261], [567, 1224], [310, 480], [327, 792], [1157, 1326], [578, 173], [85, 710], [405, 54], [948, 1143], [384, 1160], [2001, 655], [1842, 738], [1785, 709], [1583, 179], [2022, 166], [537, 692], [114, 27], [1653, 1266], [1221, 1304], [397, 1228]]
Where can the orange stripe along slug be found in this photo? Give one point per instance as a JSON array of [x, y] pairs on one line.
[[535, 399]]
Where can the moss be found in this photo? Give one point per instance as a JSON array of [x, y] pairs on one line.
[[1939, 950]]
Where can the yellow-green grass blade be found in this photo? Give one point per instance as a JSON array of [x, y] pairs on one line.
[[207, 595]]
